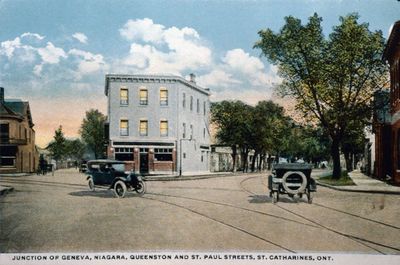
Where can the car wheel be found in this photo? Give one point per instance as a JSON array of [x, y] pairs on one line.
[[120, 189], [91, 184], [141, 188]]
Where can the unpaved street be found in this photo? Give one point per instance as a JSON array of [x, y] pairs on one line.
[[59, 214]]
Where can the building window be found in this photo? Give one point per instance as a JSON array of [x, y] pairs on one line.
[[163, 97], [4, 132], [164, 128], [143, 96], [124, 154], [184, 130], [184, 100], [191, 103], [8, 156], [163, 154], [198, 106], [204, 108], [191, 131], [123, 95], [124, 127], [204, 132], [202, 154], [143, 127]]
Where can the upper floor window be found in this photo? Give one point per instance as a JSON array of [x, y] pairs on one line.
[[143, 127], [4, 132], [124, 127], [204, 132], [143, 96], [163, 97], [184, 130], [191, 131], [198, 105], [184, 100], [163, 128], [204, 108], [191, 103], [123, 95]]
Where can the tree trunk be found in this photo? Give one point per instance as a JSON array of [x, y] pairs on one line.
[[253, 161], [335, 153], [234, 153]]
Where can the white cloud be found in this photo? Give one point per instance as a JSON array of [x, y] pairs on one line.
[[80, 37], [142, 29], [51, 54], [157, 49], [219, 78], [250, 96], [88, 62], [8, 47], [32, 35]]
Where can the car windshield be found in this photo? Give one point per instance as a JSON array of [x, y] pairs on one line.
[[119, 167]]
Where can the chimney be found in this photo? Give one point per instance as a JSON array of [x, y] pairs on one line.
[[1, 94], [193, 78]]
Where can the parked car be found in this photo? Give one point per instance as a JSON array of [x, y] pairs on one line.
[[111, 173], [291, 179]]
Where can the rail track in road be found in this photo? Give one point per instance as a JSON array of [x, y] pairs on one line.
[[358, 239]]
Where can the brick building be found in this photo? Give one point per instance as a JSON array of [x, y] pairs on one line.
[[18, 152], [392, 56], [158, 124]]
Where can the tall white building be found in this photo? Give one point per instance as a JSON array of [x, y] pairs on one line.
[[158, 124]]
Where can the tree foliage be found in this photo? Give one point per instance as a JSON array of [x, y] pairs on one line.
[[57, 146], [332, 79], [92, 131]]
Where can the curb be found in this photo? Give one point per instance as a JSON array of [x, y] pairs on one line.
[[4, 190], [338, 188], [184, 178]]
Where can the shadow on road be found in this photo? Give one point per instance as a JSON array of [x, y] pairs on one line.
[[99, 194], [267, 199]]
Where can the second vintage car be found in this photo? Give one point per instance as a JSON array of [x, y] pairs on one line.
[[112, 174]]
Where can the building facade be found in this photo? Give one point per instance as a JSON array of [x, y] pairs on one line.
[[18, 153], [392, 56], [158, 124]]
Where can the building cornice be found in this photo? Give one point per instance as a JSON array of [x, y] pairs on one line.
[[392, 42], [123, 78]]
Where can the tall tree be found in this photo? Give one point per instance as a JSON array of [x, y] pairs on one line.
[[75, 149], [57, 145], [92, 131], [232, 121], [332, 79]]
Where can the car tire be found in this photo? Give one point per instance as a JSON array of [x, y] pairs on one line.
[[120, 189], [140, 188], [91, 184]]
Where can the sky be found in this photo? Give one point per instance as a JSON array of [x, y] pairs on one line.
[[55, 54]]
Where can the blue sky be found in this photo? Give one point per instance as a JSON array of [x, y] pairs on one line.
[[55, 53]]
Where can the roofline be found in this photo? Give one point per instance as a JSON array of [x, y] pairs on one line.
[[164, 77], [391, 42]]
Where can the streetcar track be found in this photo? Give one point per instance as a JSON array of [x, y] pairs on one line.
[[221, 222], [236, 207], [352, 237]]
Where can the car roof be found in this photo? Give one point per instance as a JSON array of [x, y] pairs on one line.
[[105, 161]]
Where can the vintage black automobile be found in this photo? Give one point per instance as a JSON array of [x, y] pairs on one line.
[[112, 174], [291, 179]]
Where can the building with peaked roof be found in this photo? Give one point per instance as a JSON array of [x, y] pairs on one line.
[[18, 153], [392, 56], [159, 124]]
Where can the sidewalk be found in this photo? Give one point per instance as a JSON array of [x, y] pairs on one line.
[[365, 184]]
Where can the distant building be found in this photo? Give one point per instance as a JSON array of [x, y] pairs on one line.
[[158, 124], [392, 56], [18, 153]]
